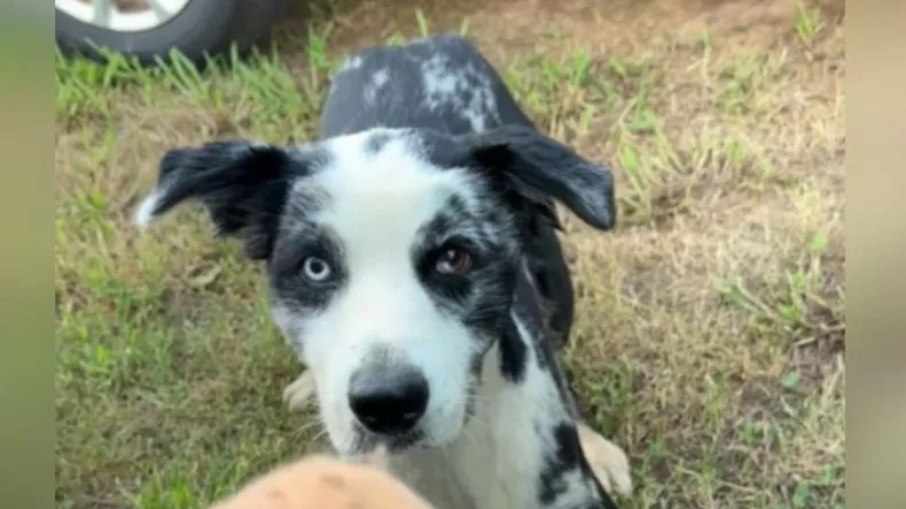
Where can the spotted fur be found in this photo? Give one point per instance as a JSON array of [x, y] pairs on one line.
[[423, 150]]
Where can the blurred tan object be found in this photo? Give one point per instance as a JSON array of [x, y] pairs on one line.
[[321, 482]]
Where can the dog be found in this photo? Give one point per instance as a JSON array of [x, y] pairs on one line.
[[413, 266]]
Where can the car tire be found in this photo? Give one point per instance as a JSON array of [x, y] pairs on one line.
[[203, 27]]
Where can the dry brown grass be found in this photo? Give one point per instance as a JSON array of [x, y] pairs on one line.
[[709, 335]]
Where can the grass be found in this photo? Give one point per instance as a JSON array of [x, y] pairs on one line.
[[709, 331], [808, 22]]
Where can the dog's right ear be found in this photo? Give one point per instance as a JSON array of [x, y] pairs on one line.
[[243, 185]]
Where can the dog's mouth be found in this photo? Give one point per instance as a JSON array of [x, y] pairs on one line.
[[365, 442]]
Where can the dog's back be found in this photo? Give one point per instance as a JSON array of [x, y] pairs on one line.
[[443, 83]]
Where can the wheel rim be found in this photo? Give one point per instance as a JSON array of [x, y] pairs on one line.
[[123, 15]]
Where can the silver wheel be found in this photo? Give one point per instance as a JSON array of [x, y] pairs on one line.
[[123, 15]]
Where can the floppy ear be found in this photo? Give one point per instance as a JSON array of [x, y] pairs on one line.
[[243, 186], [542, 168]]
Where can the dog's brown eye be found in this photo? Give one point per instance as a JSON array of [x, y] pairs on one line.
[[454, 261]]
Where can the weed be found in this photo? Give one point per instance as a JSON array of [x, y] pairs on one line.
[[423, 28], [808, 22]]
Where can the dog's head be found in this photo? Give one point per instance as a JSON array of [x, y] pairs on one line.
[[391, 257]]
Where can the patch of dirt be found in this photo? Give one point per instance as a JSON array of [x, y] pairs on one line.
[[505, 26]]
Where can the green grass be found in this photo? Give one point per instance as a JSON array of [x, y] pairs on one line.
[[808, 22], [709, 329], [257, 92]]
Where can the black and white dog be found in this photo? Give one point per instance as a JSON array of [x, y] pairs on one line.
[[413, 267]]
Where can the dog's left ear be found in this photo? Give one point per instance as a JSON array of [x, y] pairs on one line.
[[243, 185], [542, 168]]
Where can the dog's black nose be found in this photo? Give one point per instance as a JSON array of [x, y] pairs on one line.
[[388, 401]]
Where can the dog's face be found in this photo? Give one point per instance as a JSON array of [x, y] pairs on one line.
[[391, 257], [391, 275]]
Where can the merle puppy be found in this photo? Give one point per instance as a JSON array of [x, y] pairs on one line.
[[413, 267]]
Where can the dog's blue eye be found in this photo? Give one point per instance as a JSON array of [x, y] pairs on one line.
[[316, 269]]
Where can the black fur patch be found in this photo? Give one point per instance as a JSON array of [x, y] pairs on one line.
[[404, 101], [285, 269], [528, 304], [543, 168], [438, 235], [566, 458], [480, 298], [376, 142], [490, 313], [513, 353], [242, 185]]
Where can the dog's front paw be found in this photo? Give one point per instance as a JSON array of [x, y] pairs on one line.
[[608, 462], [299, 394]]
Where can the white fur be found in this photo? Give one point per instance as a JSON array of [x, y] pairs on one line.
[[445, 86], [497, 451], [378, 80], [351, 64], [499, 456], [144, 214], [376, 205]]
